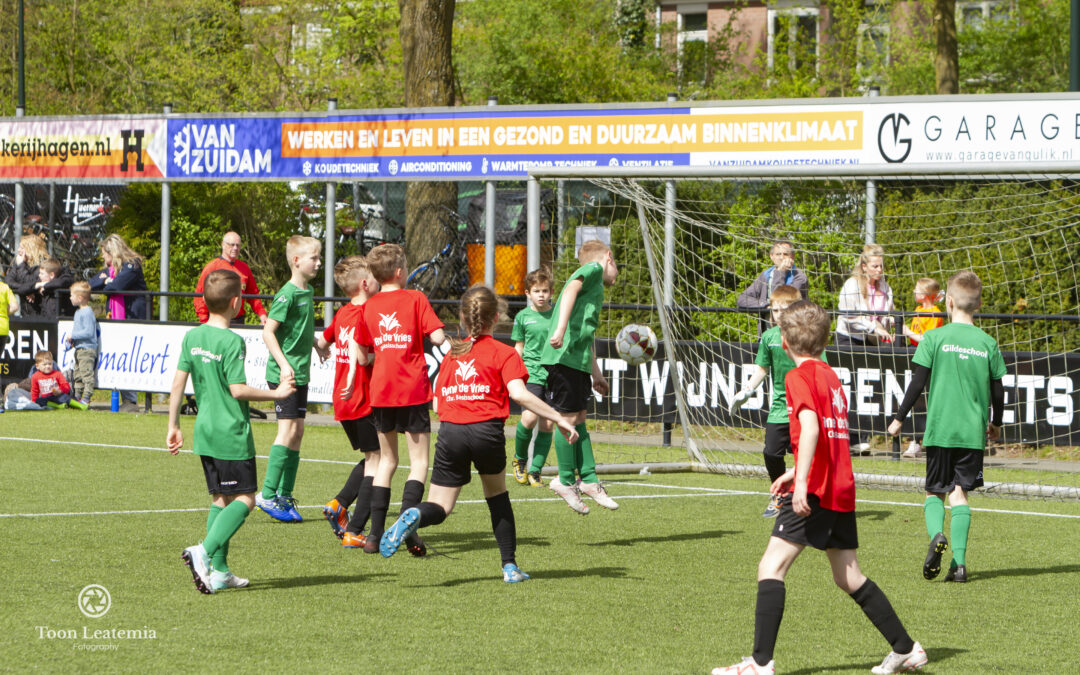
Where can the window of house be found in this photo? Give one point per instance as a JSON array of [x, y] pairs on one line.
[[975, 14], [873, 49], [793, 38], [693, 44]]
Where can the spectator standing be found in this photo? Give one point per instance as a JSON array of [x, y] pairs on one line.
[[123, 271], [24, 278], [782, 273], [230, 260]]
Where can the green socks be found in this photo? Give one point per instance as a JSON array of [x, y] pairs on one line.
[[540, 451], [275, 466], [564, 453], [522, 438], [225, 525], [288, 475], [583, 452], [220, 558], [958, 532], [934, 512]]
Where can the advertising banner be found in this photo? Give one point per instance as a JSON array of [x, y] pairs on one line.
[[82, 148], [25, 338]]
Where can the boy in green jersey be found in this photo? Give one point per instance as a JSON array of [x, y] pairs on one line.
[[965, 368], [530, 334], [214, 357], [289, 334], [572, 372], [772, 357]]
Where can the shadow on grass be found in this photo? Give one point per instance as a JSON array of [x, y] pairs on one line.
[[321, 580], [1023, 572], [872, 515], [935, 655], [684, 536], [448, 543], [605, 572]]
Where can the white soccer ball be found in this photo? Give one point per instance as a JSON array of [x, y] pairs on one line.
[[636, 344]]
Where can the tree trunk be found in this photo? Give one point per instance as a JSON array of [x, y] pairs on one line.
[[946, 58], [426, 38]]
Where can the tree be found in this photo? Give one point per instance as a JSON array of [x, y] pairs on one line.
[[426, 44], [946, 58]]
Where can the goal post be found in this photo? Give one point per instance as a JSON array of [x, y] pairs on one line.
[[689, 240]]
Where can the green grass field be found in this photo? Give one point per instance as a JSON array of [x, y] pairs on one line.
[[664, 584]]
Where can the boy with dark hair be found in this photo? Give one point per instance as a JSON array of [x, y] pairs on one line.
[[395, 323], [289, 335], [352, 401], [821, 511], [214, 357], [572, 372], [48, 386], [530, 334], [771, 357], [964, 367]]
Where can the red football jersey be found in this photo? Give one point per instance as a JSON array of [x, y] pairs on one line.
[[472, 387], [394, 326], [814, 386], [344, 327]]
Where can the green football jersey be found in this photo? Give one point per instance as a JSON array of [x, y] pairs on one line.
[[577, 346], [294, 308], [531, 327], [214, 357], [962, 360], [772, 357]]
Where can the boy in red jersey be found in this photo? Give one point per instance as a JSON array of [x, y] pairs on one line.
[[48, 387], [476, 382], [395, 323], [821, 508], [352, 400]]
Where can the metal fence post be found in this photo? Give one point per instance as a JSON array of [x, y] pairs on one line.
[[532, 251], [19, 112], [166, 240], [489, 224], [330, 232], [870, 227]]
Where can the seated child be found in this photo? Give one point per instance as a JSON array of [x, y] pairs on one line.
[[48, 387]]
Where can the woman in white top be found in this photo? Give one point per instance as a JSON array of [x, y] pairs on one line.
[[865, 290]]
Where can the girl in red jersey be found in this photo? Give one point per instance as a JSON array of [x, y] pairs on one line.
[[472, 398]]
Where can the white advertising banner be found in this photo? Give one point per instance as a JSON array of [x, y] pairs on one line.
[[142, 357]]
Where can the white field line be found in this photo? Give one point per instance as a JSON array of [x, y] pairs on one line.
[[705, 491]]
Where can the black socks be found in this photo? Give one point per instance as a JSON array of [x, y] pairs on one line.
[[876, 607], [767, 617], [502, 524]]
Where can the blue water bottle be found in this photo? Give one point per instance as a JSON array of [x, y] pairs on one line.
[[114, 404]]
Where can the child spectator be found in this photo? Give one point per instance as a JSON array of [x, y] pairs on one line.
[[84, 339], [530, 334], [771, 357], [395, 323], [821, 509], [782, 273], [50, 296], [9, 305], [570, 360], [289, 334], [964, 367], [476, 381], [352, 400], [214, 357], [48, 386], [927, 292]]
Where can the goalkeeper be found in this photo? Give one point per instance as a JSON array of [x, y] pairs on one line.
[[771, 358]]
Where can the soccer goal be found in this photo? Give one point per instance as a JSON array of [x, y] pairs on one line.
[[689, 244]]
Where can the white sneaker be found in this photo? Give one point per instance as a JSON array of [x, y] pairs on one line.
[[913, 450], [899, 663], [748, 666], [222, 580], [598, 494], [862, 448], [199, 563], [570, 494]]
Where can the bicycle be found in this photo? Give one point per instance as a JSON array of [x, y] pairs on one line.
[[444, 274]]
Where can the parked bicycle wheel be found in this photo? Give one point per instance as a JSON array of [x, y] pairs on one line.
[[425, 278]]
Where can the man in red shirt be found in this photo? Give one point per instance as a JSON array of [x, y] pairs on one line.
[[230, 260], [821, 509]]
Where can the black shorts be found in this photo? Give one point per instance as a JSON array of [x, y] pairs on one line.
[[361, 433], [822, 529], [536, 390], [460, 447], [948, 467], [777, 439], [567, 389], [294, 407], [412, 419], [229, 476]]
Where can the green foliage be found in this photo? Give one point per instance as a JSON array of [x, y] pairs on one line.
[[1023, 50]]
